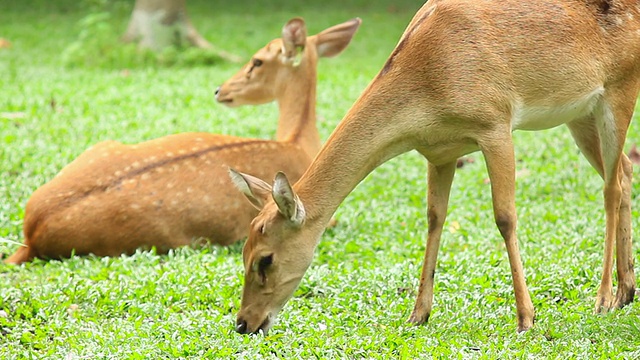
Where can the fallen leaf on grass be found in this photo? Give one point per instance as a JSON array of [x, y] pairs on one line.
[[404, 290], [13, 115], [454, 227], [463, 161], [72, 309], [634, 155], [4, 43], [523, 173]]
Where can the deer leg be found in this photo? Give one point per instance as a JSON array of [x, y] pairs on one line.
[[587, 137], [624, 251], [439, 186], [612, 123], [585, 133], [500, 159], [612, 200]]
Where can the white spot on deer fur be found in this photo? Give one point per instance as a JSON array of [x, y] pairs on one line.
[[174, 202], [118, 152], [145, 176], [91, 161], [135, 206], [199, 139], [126, 169], [189, 190], [118, 173], [179, 194], [169, 154], [195, 148], [136, 164], [182, 152], [170, 185]]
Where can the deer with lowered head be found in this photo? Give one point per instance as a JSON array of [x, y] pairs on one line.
[[168, 192], [464, 75]]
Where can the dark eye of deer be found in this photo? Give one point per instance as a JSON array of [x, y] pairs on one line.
[[257, 62], [263, 264]]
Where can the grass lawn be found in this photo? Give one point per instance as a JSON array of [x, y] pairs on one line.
[[58, 98]]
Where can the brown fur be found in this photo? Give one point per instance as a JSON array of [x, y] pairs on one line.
[[168, 192], [464, 75]]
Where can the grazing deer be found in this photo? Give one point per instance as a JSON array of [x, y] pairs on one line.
[[463, 77], [164, 193]]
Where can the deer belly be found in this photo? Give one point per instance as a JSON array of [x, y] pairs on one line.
[[546, 116]]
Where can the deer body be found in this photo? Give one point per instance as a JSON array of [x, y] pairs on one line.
[[168, 192], [463, 77]]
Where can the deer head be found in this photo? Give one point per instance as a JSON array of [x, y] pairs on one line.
[[275, 63], [273, 270]]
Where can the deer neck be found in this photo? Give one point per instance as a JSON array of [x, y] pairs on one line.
[[368, 136], [297, 108]]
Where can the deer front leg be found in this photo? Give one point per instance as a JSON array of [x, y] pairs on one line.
[[624, 250], [499, 156], [612, 198], [439, 186]]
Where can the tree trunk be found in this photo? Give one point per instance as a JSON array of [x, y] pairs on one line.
[[157, 24]]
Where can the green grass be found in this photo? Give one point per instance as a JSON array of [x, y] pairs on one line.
[[360, 289]]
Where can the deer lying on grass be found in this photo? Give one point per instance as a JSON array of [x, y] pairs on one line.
[[164, 193], [463, 77]]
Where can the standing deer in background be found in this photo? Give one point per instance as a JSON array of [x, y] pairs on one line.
[[463, 77], [164, 193]]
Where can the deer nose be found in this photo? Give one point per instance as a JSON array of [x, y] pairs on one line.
[[241, 327]]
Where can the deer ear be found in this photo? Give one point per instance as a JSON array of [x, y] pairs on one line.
[[294, 38], [288, 202], [333, 40], [256, 190]]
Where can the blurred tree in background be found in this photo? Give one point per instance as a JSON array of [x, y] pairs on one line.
[[158, 24]]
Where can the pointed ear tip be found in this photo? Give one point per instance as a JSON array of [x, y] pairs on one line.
[[233, 172], [295, 22], [297, 19], [281, 175]]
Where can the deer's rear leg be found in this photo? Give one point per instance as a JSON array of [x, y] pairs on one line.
[[500, 159], [624, 251], [439, 186], [602, 146]]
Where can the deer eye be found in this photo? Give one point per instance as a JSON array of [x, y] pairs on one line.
[[264, 263], [257, 62]]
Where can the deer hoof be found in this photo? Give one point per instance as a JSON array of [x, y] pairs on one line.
[[417, 319]]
